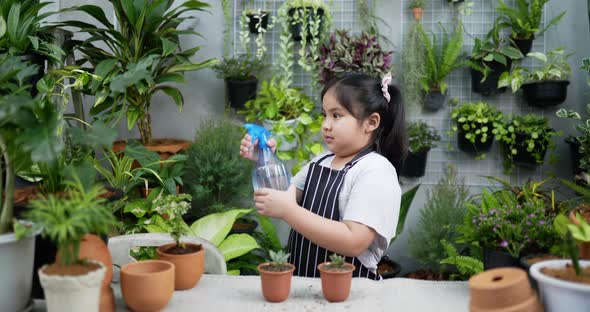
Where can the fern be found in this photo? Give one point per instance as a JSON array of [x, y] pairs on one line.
[[466, 265]]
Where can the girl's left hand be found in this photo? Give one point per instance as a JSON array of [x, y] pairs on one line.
[[273, 203]]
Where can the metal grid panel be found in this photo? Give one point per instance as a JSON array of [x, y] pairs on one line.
[[344, 16], [477, 24]]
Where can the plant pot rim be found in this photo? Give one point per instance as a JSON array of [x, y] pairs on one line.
[[289, 271], [161, 248], [167, 266], [545, 82], [518, 38], [535, 271], [351, 267], [10, 237], [253, 13], [101, 266], [240, 81]]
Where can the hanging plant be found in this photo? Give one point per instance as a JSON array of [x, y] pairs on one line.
[[256, 20]]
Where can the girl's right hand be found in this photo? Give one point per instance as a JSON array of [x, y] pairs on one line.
[[247, 149]]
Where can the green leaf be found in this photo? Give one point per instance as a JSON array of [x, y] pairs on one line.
[[406, 202], [132, 116], [511, 52], [97, 13], [171, 77], [233, 272], [2, 27], [137, 207], [145, 157], [539, 56], [237, 245], [175, 94], [216, 226], [152, 228], [168, 47], [192, 66], [270, 231]]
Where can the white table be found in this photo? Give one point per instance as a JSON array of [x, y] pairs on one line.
[[242, 293]]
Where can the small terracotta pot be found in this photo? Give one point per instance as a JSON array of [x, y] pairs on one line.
[[502, 289], [147, 285], [336, 284], [418, 12], [276, 286], [189, 267], [583, 247]]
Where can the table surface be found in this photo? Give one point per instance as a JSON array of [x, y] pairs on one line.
[[243, 293]]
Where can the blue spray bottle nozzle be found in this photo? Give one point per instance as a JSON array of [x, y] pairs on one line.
[[259, 133]]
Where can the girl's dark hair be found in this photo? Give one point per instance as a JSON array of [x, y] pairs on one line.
[[361, 95]]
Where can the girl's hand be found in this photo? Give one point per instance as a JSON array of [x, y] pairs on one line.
[[248, 151], [273, 203]]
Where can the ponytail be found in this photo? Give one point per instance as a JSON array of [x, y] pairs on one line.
[[391, 140]]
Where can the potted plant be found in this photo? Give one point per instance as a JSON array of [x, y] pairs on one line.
[[71, 284], [188, 258], [490, 57], [256, 22], [525, 20], [275, 276], [525, 141], [336, 277], [288, 113], [413, 63], [422, 138], [442, 57], [563, 284], [545, 86], [240, 78], [306, 18], [476, 124], [22, 119], [131, 73], [345, 53], [417, 7]]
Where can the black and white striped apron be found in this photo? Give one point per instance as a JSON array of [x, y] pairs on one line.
[[320, 196]]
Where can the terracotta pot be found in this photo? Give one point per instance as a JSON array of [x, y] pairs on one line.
[[336, 284], [276, 286], [583, 247], [502, 289], [417, 12], [189, 267], [94, 248], [147, 285]]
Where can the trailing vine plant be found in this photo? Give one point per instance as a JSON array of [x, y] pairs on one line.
[[260, 37]]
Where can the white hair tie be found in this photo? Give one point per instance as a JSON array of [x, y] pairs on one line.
[[385, 86]]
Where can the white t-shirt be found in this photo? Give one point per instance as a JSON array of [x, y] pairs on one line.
[[371, 195]]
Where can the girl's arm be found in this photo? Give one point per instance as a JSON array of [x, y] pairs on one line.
[[347, 238]]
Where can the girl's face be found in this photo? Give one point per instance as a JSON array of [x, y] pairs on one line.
[[344, 134]]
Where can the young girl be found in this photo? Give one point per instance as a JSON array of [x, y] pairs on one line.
[[347, 201]]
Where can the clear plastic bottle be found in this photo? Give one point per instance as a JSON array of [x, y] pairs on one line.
[[269, 171]]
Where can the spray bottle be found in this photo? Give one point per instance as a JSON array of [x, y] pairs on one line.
[[270, 171]]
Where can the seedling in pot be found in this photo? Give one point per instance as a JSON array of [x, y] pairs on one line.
[[278, 261]]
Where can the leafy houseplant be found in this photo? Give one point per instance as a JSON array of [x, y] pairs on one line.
[[417, 7], [442, 57], [345, 53], [143, 57], [215, 176], [275, 276], [422, 138], [288, 113], [66, 220], [490, 57], [443, 211], [525, 141], [476, 124], [240, 75], [306, 22], [525, 21], [544, 86], [336, 276], [257, 21]]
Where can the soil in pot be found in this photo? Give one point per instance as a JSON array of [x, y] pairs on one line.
[[178, 250], [476, 148], [253, 21], [415, 164], [388, 268], [296, 29], [569, 274], [70, 270], [429, 275]]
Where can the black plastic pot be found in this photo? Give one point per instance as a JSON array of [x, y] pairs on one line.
[[490, 85], [434, 100], [39, 61], [545, 93], [241, 91], [296, 29], [523, 157], [474, 148], [415, 164], [575, 155], [253, 21], [388, 268], [524, 45], [498, 258]]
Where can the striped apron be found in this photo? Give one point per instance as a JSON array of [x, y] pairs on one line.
[[320, 196]]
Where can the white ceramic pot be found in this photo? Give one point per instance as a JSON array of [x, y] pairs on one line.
[[72, 293], [285, 146], [561, 295], [16, 271]]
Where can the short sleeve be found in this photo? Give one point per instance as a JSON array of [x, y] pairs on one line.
[[299, 178], [374, 201]]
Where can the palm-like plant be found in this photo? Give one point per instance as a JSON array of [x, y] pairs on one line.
[[143, 55], [525, 18], [442, 57]]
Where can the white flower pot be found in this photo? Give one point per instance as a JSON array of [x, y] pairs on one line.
[[285, 146], [561, 295], [16, 271], [72, 293]]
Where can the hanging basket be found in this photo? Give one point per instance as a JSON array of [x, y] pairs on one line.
[[524, 45], [476, 148], [297, 28], [545, 93], [254, 19], [415, 164], [490, 85], [241, 91]]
